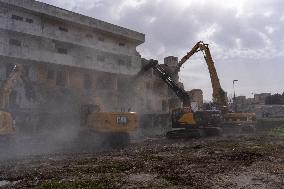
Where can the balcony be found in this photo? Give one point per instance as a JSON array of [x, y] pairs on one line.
[[72, 37], [63, 59]]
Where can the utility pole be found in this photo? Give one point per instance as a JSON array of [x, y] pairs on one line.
[[235, 103]]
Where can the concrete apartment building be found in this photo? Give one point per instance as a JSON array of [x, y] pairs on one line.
[[71, 60]]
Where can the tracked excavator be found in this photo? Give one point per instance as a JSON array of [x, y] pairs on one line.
[[114, 126], [185, 122], [239, 120], [106, 128], [7, 129]]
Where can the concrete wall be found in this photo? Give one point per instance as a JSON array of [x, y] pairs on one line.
[[65, 43], [267, 111], [68, 16], [196, 99], [155, 90]]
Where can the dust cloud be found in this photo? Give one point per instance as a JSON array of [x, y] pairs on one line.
[[58, 127]]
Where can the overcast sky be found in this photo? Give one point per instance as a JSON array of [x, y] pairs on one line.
[[246, 37]]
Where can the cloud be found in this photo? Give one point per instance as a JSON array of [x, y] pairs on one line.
[[246, 37]]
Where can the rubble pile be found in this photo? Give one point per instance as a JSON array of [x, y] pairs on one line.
[[226, 162]]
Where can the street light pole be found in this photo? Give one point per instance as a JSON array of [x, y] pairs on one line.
[[235, 104]]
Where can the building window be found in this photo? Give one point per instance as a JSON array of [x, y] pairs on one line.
[[126, 63], [63, 29], [149, 104], [121, 62], [101, 58], [89, 36], [87, 81], [19, 18], [61, 78], [62, 51], [89, 57], [15, 42], [2, 71], [3, 11], [29, 20], [50, 74], [9, 69], [13, 99], [121, 44], [105, 82], [164, 105], [148, 85], [32, 73], [123, 84], [101, 39]]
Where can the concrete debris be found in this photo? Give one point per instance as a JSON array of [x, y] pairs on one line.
[[228, 162]]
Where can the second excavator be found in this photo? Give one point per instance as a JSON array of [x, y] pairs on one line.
[[243, 121], [185, 122]]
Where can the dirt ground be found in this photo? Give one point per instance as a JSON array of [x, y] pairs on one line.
[[225, 162]]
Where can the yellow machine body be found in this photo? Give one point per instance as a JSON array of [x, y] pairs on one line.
[[187, 118], [6, 124], [114, 122], [183, 119]]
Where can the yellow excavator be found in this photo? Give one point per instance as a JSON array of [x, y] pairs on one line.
[[245, 120], [185, 122], [7, 129], [115, 125], [111, 127]]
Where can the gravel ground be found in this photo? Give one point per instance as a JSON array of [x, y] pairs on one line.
[[225, 162]]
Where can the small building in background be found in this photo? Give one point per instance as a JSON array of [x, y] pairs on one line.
[[260, 98]]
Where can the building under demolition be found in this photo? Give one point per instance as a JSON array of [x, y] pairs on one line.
[[72, 60]]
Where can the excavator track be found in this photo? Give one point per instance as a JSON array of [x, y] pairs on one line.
[[184, 134], [212, 131], [194, 133]]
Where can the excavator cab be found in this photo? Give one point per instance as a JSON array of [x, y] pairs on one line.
[[195, 124], [207, 118], [204, 118], [181, 118]]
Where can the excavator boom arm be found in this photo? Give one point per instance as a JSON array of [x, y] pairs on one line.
[[167, 78], [219, 95], [187, 56]]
